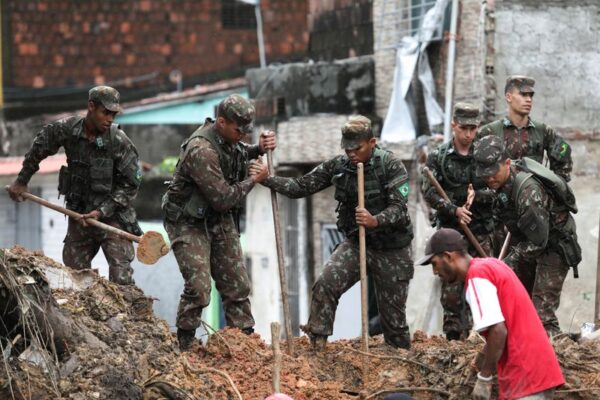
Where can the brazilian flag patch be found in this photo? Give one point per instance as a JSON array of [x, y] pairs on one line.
[[138, 173], [563, 149], [404, 189]]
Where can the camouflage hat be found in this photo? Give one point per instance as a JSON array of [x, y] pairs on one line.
[[444, 239], [524, 83], [466, 114], [239, 110], [355, 131], [107, 96], [488, 153]]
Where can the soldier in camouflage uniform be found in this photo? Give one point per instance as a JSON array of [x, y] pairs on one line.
[[388, 231], [541, 224], [201, 209], [453, 166], [100, 181], [524, 137]]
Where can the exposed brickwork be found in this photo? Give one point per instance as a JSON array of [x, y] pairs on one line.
[[58, 43]]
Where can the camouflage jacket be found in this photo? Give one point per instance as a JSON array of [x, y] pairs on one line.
[[393, 218], [112, 194], [531, 141], [455, 172], [200, 169], [533, 217]]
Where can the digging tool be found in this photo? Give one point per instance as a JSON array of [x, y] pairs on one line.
[[280, 261], [463, 226], [505, 245], [362, 248], [275, 329], [151, 247], [597, 299]]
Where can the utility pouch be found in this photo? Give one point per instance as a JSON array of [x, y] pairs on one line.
[[64, 180], [570, 251], [171, 211], [196, 212], [101, 172]]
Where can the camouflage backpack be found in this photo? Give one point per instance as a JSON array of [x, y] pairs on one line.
[[559, 188]]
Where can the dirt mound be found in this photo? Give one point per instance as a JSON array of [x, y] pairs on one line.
[[115, 348]]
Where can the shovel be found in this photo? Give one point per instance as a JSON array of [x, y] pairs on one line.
[[151, 247]]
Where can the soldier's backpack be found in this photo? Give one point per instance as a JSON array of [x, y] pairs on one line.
[[560, 189]]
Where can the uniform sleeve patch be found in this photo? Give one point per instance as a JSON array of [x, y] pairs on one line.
[[403, 189], [138, 173]]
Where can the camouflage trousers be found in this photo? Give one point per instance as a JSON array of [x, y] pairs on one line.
[[391, 271], [457, 317], [205, 250], [543, 279], [82, 243]]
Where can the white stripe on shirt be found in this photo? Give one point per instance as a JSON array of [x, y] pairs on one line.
[[482, 297]]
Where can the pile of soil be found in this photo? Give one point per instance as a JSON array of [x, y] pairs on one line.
[[120, 350]]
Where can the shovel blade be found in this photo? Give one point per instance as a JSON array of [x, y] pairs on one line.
[[152, 246]]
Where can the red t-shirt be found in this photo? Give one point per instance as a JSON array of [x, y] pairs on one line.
[[528, 364]]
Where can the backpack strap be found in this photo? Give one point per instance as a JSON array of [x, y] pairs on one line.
[[520, 180]]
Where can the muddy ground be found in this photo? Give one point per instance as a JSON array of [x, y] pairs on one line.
[[126, 352]]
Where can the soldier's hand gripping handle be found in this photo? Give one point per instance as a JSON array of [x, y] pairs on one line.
[[463, 226], [267, 141], [16, 190]]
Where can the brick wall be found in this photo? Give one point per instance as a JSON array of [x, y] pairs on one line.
[[66, 43], [470, 54]]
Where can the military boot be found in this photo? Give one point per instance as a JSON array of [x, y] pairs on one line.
[[318, 342], [248, 331], [186, 338]]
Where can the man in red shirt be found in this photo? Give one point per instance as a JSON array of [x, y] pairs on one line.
[[516, 343]]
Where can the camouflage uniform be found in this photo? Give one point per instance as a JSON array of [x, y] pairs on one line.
[[455, 172], [539, 224], [389, 258], [100, 175], [531, 140], [528, 141], [201, 208]]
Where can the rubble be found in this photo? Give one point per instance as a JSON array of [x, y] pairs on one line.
[[123, 351]]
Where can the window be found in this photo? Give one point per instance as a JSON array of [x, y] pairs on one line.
[[237, 15], [330, 238]]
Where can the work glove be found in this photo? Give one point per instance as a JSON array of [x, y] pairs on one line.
[[482, 389]]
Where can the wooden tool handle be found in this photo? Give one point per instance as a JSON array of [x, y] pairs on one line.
[[362, 246], [76, 215], [281, 262]]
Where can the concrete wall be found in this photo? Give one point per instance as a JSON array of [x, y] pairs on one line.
[[340, 87], [340, 29], [555, 42]]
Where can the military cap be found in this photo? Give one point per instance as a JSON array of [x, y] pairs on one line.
[[107, 96], [355, 131], [442, 240], [488, 153], [239, 110], [524, 83], [466, 114]]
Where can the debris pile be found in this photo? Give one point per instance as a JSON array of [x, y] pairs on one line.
[[73, 335]]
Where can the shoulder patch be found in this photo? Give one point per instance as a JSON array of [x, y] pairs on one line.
[[403, 189], [138, 174]]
